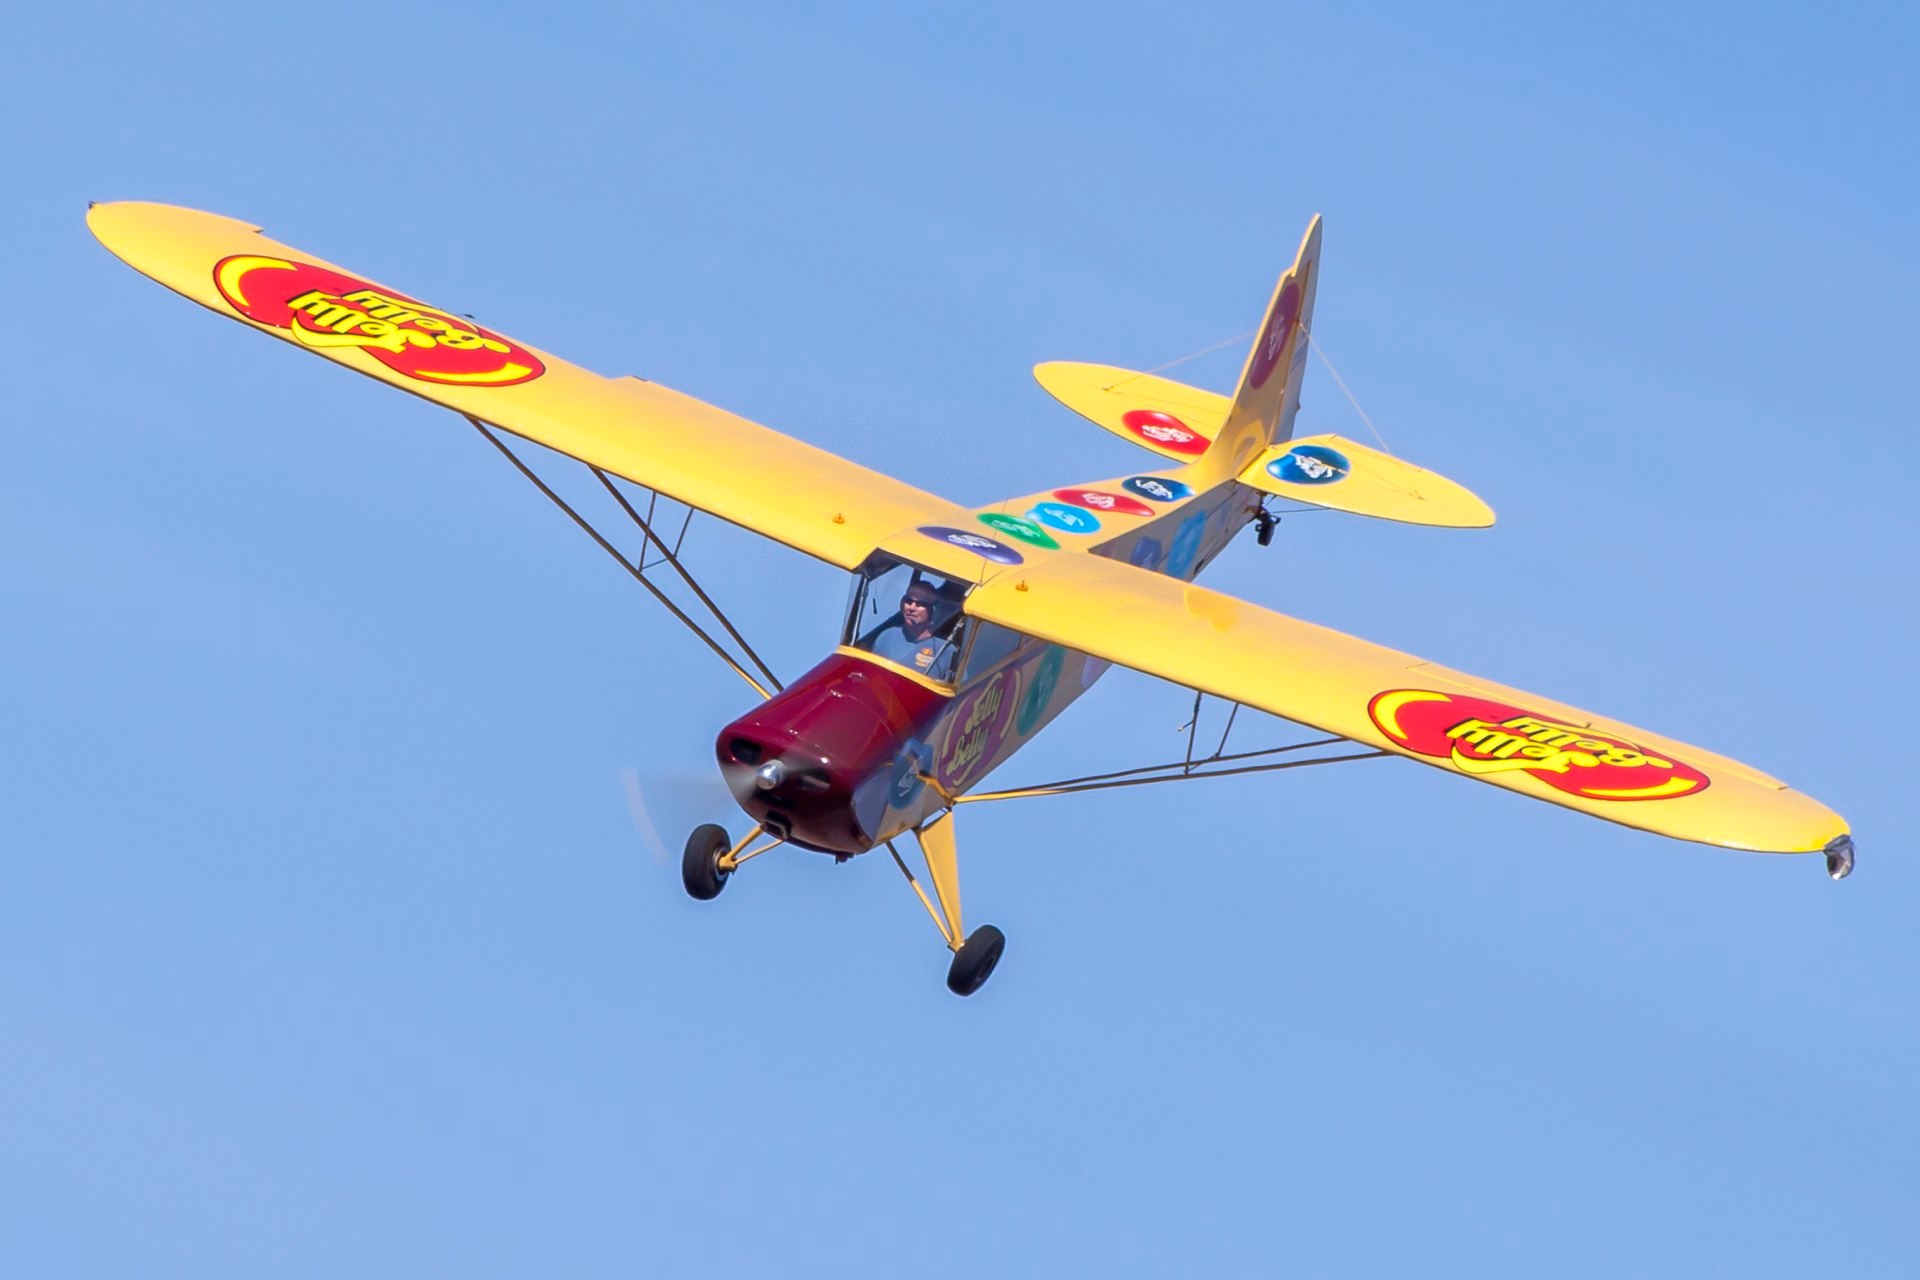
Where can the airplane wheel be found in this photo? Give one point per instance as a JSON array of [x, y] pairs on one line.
[[973, 962], [700, 864]]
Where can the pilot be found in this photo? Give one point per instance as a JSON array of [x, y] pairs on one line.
[[919, 639]]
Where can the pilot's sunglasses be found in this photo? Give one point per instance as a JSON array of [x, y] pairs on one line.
[[924, 604]]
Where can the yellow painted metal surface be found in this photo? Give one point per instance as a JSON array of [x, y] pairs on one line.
[[932, 550], [918, 677], [933, 912], [1397, 702], [937, 845], [1329, 471], [1021, 550], [1172, 419], [1268, 395], [690, 451], [1218, 435]]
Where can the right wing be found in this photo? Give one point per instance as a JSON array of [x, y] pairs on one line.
[[689, 451], [1396, 702]]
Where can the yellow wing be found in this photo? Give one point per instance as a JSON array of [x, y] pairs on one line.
[[690, 451], [1397, 702]]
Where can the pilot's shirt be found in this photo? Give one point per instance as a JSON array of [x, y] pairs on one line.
[[932, 657]]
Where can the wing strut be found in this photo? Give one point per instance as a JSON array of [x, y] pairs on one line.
[[1179, 771], [671, 556], [638, 569], [1192, 727]]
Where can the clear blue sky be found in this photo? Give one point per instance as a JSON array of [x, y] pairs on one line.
[[327, 943]]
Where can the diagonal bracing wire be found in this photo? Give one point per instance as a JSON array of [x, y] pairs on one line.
[[1178, 771], [639, 574], [1342, 383], [1160, 368], [672, 559]]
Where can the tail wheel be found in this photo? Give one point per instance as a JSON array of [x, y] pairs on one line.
[[700, 864], [973, 963]]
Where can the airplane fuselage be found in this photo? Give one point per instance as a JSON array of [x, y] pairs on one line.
[[858, 750]]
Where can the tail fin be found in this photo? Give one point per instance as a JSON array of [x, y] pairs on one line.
[[1268, 396]]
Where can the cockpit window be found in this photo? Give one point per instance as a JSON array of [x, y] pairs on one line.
[[991, 644], [907, 615]]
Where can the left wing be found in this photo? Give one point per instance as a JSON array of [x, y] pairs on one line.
[[1399, 703], [696, 454]]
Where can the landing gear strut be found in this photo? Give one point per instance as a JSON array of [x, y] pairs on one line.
[[711, 857], [975, 954]]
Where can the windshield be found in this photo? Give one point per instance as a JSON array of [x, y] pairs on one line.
[[908, 615]]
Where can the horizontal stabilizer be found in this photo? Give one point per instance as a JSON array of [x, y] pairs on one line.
[[1328, 471], [1172, 419]]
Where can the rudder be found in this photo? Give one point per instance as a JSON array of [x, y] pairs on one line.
[[1268, 396]]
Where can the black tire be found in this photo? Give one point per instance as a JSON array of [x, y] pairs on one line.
[[700, 864], [973, 963]]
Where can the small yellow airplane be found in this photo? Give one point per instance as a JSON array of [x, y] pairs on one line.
[[968, 630]]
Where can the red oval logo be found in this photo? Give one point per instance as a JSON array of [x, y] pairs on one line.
[[1118, 504], [1481, 737], [328, 310], [1273, 340], [1164, 431]]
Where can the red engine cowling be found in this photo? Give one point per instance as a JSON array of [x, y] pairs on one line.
[[795, 761]]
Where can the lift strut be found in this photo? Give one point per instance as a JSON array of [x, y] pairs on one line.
[[670, 556]]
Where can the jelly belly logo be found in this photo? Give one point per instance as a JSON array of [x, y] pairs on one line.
[[1273, 339], [1186, 546], [329, 311], [1157, 488], [1489, 738], [904, 783], [1014, 527], [1164, 431], [984, 547], [1147, 554], [1058, 515], [1046, 677], [1100, 500], [1310, 464], [976, 729]]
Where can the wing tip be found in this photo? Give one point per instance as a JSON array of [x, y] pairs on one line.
[[118, 224]]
